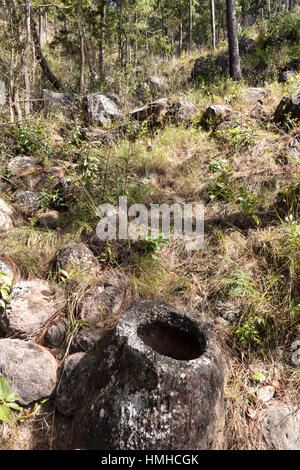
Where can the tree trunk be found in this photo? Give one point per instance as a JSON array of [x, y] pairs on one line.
[[82, 53], [213, 24], [101, 41], [190, 26], [180, 36], [27, 105], [120, 27], [41, 59], [234, 55]]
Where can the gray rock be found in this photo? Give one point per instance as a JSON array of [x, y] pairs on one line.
[[28, 309], [72, 384], [100, 110], [49, 220], [77, 257], [280, 427], [246, 45], [113, 97], [63, 101], [6, 216], [6, 268], [156, 383], [153, 112], [215, 114], [99, 305], [22, 166], [222, 61], [29, 369], [256, 95], [285, 75], [182, 112], [55, 334], [28, 202], [288, 107], [45, 179]]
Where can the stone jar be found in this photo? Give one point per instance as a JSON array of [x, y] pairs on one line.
[[157, 383]]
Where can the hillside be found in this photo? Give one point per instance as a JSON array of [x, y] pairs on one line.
[[167, 130]]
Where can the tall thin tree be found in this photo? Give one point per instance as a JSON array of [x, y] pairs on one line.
[[234, 55]]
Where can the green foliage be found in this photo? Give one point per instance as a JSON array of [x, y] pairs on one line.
[[7, 400], [221, 188], [249, 203], [5, 286], [32, 140], [52, 200], [247, 332], [150, 247]]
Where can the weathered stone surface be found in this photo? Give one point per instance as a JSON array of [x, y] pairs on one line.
[[55, 334], [62, 101], [222, 62], [285, 75], [182, 112], [153, 112], [150, 88], [246, 45], [78, 257], [258, 112], [156, 383], [6, 268], [29, 308], [288, 107], [255, 95], [28, 201], [22, 166], [6, 216], [45, 179], [86, 339], [49, 220], [280, 427], [214, 114], [72, 384], [113, 97], [229, 121], [203, 67], [266, 393], [29, 369], [100, 110], [100, 304]]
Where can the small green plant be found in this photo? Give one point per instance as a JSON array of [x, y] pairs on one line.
[[249, 203], [53, 200], [221, 188], [32, 140], [150, 246], [247, 332], [5, 286], [7, 400]]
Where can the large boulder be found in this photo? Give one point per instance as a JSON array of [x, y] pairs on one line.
[[22, 166], [153, 112], [255, 95], [52, 100], [156, 383], [78, 258], [100, 304], [29, 308], [280, 427], [288, 108], [6, 216], [30, 370], [182, 112], [150, 88], [100, 110], [246, 45], [215, 114], [28, 202]]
